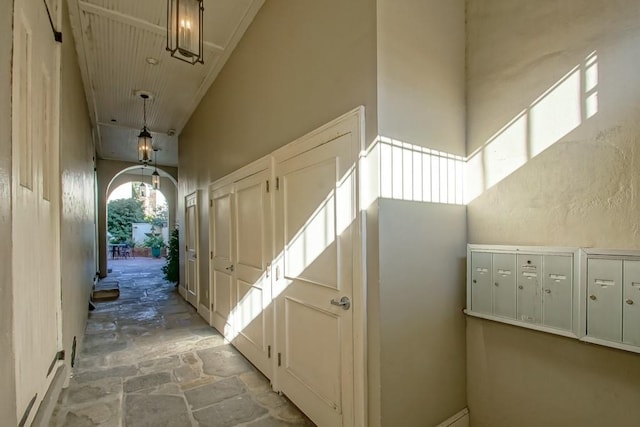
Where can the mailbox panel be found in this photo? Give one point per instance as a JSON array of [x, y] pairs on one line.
[[504, 285], [631, 303], [481, 282], [529, 288], [604, 303], [557, 291]]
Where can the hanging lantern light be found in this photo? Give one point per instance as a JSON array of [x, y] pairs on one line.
[[184, 29], [143, 187], [144, 139], [155, 176]]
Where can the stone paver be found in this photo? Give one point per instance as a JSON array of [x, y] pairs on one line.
[[149, 359]]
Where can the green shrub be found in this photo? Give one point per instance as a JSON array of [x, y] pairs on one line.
[[171, 269]]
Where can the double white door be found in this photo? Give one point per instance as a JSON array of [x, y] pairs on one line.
[[240, 266], [284, 259]]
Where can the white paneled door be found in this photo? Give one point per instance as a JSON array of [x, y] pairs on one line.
[[221, 287], [316, 234], [36, 206], [191, 250], [251, 317]]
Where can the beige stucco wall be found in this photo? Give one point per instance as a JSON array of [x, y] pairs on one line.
[[581, 191], [77, 219], [299, 65], [7, 376]]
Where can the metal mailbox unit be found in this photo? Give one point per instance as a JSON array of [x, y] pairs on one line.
[[612, 297], [535, 287]]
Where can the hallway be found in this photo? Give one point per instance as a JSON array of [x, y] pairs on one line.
[[149, 359]]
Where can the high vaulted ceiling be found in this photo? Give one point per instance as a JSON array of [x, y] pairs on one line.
[[117, 42]]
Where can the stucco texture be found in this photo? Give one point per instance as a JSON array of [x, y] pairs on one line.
[[555, 83]]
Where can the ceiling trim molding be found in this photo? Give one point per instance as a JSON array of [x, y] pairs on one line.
[[83, 62], [247, 19], [133, 21]]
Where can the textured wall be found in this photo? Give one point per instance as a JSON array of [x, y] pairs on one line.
[[7, 377], [299, 65], [553, 107], [77, 219]]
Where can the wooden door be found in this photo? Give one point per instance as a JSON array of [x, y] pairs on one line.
[[316, 231], [36, 206], [221, 286], [191, 249], [251, 317]]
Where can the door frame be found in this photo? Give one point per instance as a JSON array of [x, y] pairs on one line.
[[191, 199], [351, 122]]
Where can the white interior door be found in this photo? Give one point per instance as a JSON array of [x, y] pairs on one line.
[[251, 316], [191, 250], [35, 207], [315, 238], [221, 286]]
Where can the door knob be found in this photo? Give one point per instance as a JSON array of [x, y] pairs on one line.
[[593, 297], [548, 291], [629, 301], [344, 302], [230, 268]]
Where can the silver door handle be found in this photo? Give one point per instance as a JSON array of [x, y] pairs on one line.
[[230, 268], [344, 302]]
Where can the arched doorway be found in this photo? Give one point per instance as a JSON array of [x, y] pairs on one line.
[[112, 174]]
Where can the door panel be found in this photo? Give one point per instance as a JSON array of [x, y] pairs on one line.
[[504, 285], [631, 306], [310, 229], [481, 300], [191, 223], [315, 225], [221, 287], [252, 318], [604, 306], [529, 304], [558, 291]]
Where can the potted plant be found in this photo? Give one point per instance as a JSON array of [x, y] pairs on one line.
[[156, 243]]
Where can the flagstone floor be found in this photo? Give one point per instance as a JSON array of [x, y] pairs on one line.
[[148, 359]]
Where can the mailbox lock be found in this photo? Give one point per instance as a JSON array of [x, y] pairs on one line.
[[629, 301], [548, 291], [475, 281], [520, 287], [593, 297], [496, 284]]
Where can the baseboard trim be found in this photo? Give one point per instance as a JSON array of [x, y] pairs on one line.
[[461, 419]]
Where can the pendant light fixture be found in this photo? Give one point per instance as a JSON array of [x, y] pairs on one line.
[[184, 30], [155, 176], [144, 139], [143, 186]]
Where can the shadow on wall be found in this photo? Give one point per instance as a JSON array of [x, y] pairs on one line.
[[563, 107]]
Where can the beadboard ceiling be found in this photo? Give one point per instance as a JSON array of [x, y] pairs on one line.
[[114, 38]]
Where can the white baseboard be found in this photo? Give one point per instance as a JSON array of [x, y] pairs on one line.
[[182, 291], [461, 419]]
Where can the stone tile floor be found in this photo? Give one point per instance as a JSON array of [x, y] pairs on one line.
[[148, 359]]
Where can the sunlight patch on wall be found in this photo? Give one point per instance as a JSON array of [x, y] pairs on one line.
[[398, 170], [559, 110]]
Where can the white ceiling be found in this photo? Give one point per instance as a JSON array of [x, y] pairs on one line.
[[114, 38]]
